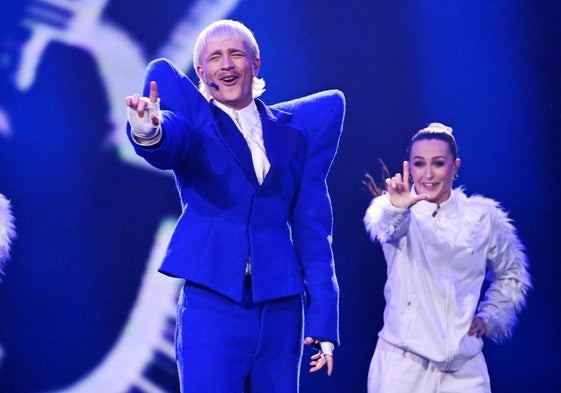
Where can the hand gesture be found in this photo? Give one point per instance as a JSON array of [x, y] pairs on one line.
[[400, 191], [320, 359], [138, 107]]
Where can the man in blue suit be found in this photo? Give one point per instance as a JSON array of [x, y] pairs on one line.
[[254, 240]]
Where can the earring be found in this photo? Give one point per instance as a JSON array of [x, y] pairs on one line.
[[455, 176]]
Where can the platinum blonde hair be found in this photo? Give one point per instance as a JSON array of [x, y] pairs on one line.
[[227, 29]]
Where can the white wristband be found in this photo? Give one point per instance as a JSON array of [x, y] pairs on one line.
[[327, 347], [142, 127]]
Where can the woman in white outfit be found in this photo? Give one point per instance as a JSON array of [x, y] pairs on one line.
[[440, 245]]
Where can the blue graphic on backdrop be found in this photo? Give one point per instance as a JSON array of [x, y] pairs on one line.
[[142, 357], [90, 215]]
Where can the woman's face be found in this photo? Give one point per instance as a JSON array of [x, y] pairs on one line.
[[433, 168]]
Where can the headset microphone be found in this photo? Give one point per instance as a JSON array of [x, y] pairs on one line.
[[213, 85]]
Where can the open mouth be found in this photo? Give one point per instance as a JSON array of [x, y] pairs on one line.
[[229, 79], [430, 185]]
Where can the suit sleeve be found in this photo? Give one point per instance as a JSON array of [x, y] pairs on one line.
[[322, 117], [183, 108]]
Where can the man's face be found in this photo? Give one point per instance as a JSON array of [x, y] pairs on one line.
[[228, 68]]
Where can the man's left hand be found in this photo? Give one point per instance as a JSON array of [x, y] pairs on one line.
[[323, 357]]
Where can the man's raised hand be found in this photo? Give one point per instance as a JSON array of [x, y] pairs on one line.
[[137, 107]]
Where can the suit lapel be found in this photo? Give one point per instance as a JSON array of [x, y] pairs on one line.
[[281, 141], [235, 140]]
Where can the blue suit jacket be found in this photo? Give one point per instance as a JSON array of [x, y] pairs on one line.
[[284, 224]]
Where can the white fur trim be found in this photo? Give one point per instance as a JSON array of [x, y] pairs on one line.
[[7, 232]]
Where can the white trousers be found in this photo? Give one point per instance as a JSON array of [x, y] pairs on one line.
[[393, 370]]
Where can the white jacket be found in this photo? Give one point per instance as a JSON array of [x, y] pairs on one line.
[[436, 265]]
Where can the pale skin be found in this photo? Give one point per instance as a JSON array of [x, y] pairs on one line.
[[432, 169], [139, 103], [227, 65], [319, 360]]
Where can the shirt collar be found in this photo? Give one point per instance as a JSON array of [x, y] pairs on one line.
[[426, 207], [248, 115]]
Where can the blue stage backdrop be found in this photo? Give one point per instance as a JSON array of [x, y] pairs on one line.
[[82, 307]]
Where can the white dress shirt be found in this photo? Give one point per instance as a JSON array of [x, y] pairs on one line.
[[249, 123]]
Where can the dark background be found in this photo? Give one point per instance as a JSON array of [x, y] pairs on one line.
[[85, 219]]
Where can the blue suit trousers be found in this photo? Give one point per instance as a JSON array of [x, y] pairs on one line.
[[223, 346]]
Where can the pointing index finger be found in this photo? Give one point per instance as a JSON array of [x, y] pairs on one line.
[[406, 174], [153, 92]]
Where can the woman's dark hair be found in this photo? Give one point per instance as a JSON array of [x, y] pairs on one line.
[[371, 186], [436, 131]]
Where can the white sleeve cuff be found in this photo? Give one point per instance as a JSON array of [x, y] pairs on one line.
[[139, 140], [327, 347]]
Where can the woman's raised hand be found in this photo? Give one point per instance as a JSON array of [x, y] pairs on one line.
[[399, 189]]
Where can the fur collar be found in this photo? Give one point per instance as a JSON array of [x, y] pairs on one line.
[[7, 232]]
